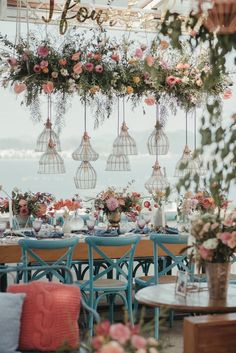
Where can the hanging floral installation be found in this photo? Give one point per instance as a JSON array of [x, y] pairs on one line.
[[98, 68]]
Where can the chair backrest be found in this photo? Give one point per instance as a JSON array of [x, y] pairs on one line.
[[97, 245], [36, 251], [162, 241]]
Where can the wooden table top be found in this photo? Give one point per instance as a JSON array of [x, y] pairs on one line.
[[11, 252], [163, 295]]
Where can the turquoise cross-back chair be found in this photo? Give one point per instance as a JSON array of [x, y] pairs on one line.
[[96, 287], [31, 253], [179, 262]]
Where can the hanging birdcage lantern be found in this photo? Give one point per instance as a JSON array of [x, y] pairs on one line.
[[158, 143], [47, 134], [51, 162], [118, 162], [186, 164], [125, 142], [86, 176], [85, 152], [158, 181], [200, 164]]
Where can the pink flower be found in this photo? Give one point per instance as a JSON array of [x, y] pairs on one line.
[[24, 211], [103, 328], [43, 64], [150, 100], [54, 74], [99, 69], [62, 62], [97, 57], [227, 93], [181, 66], [112, 204], [19, 87], [115, 57], [120, 332], [48, 87], [42, 51], [12, 61], [172, 80], [90, 55], [150, 60], [138, 53], [206, 254], [97, 342], [112, 347], [138, 341], [76, 56], [89, 67], [37, 69], [77, 68], [225, 237]]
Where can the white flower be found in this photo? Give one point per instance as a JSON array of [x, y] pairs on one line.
[[210, 244], [64, 72], [185, 79], [206, 227]]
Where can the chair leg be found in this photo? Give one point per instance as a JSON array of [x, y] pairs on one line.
[[111, 307], [171, 318], [156, 322], [130, 307]]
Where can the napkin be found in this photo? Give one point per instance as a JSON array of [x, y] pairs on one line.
[[107, 233]]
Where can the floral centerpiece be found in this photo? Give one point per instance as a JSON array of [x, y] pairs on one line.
[[121, 338], [112, 203], [214, 246]]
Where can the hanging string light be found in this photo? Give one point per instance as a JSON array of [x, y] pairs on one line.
[[186, 165], [124, 141], [158, 141], [86, 176], [197, 157], [47, 133], [51, 162], [118, 161], [158, 182]]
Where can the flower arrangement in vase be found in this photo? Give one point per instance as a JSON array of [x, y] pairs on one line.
[[67, 207]]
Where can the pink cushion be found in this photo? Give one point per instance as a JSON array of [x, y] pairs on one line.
[[50, 315]]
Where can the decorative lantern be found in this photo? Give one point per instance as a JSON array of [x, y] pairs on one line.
[[51, 162], [45, 136], [86, 176], [186, 165], [118, 162], [158, 143], [85, 152], [157, 182], [125, 142]]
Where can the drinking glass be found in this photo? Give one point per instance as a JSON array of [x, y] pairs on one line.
[[37, 224], [141, 224], [3, 226], [91, 224]]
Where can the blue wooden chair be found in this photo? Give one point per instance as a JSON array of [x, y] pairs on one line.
[[31, 254], [97, 287], [179, 262]]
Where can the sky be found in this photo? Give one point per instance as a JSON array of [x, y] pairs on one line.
[[18, 135]]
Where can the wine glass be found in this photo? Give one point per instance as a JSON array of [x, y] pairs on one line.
[[3, 226], [37, 224], [141, 224], [90, 224]]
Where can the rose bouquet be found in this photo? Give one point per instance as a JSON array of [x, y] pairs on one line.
[[121, 338], [215, 237]]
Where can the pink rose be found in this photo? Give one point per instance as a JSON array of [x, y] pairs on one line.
[[112, 204], [97, 57], [150, 100], [172, 80], [89, 67], [120, 332], [138, 341], [97, 342], [115, 57], [62, 62], [103, 328], [90, 55], [76, 56], [43, 64], [12, 61], [138, 53], [54, 74], [48, 87], [24, 211], [99, 69], [112, 347], [181, 66], [42, 51], [37, 69], [150, 60], [19, 87], [206, 254], [227, 93], [224, 237], [77, 68]]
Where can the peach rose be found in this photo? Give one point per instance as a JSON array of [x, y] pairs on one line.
[[227, 93], [48, 87], [120, 332], [19, 87], [115, 57], [150, 100], [77, 68], [97, 57], [62, 62], [138, 341], [150, 60], [112, 347], [129, 89], [76, 56]]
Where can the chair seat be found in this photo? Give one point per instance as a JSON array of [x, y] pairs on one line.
[[145, 280], [105, 284]]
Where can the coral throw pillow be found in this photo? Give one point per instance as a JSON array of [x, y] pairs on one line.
[[50, 316]]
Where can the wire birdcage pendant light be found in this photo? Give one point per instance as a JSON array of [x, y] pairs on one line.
[[158, 181], [158, 143], [86, 176], [51, 162], [118, 161], [196, 156], [186, 164], [124, 142]]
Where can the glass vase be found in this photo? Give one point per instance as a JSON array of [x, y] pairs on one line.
[[218, 279]]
